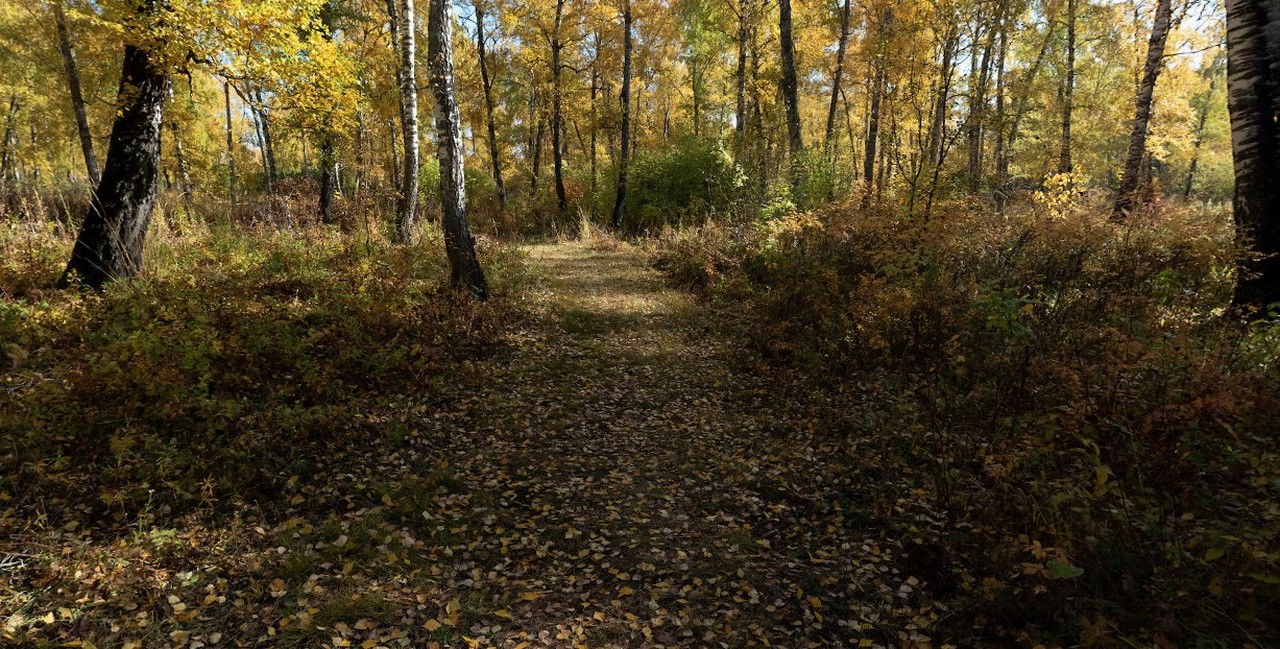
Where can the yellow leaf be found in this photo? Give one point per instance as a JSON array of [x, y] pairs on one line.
[[432, 625], [626, 590], [453, 606], [530, 596], [503, 613]]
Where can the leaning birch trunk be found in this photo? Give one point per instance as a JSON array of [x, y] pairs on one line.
[[1126, 196], [110, 242], [458, 243], [1253, 99], [407, 216], [77, 98]]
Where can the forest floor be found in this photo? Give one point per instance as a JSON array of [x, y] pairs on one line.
[[615, 477]]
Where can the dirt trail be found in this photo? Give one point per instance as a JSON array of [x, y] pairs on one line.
[[619, 467]]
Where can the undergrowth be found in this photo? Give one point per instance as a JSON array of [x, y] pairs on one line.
[[1089, 437], [239, 358]]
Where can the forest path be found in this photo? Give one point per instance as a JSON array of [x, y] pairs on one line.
[[622, 484]]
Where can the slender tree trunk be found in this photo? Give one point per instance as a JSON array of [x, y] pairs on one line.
[[1253, 98], [458, 242], [264, 120], [740, 109], [77, 99], [328, 137], [557, 114], [625, 101], [537, 153], [978, 112], [1202, 119], [8, 163], [231, 150], [260, 130], [1125, 197], [487, 86], [837, 74], [873, 113], [407, 216], [1068, 90], [937, 129], [789, 84], [110, 242], [1001, 154], [594, 123]]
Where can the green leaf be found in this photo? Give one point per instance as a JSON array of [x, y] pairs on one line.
[[1063, 570]]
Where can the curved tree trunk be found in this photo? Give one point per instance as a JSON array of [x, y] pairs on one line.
[[625, 100], [1125, 197], [110, 242], [77, 98], [458, 243], [1253, 98]]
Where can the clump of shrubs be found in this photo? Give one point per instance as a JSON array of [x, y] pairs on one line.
[[238, 359], [1090, 430]]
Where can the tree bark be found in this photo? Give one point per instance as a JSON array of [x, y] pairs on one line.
[[487, 86], [789, 84], [873, 113], [1068, 89], [328, 137], [557, 113], [1202, 120], [978, 112], [1001, 154], [624, 155], [8, 164], [458, 242], [231, 149], [110, 242], [740, 108], [1129, 181], [837, 74], [77, 98], [1253, 99], [407, 215]]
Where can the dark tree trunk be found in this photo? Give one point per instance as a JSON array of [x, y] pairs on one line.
[[789, 84], [1202, 120], [1001, 154], [1068, 90], [77, 98], [624, 155], [458, 243], [977, 113], [740, 109], [937, 129], [231, 149], [8, 165], [837, 74], [873, 119], [1253, 98], [557, 113], [487, 86], [110, 242], [1125, 197], [328, 176]]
